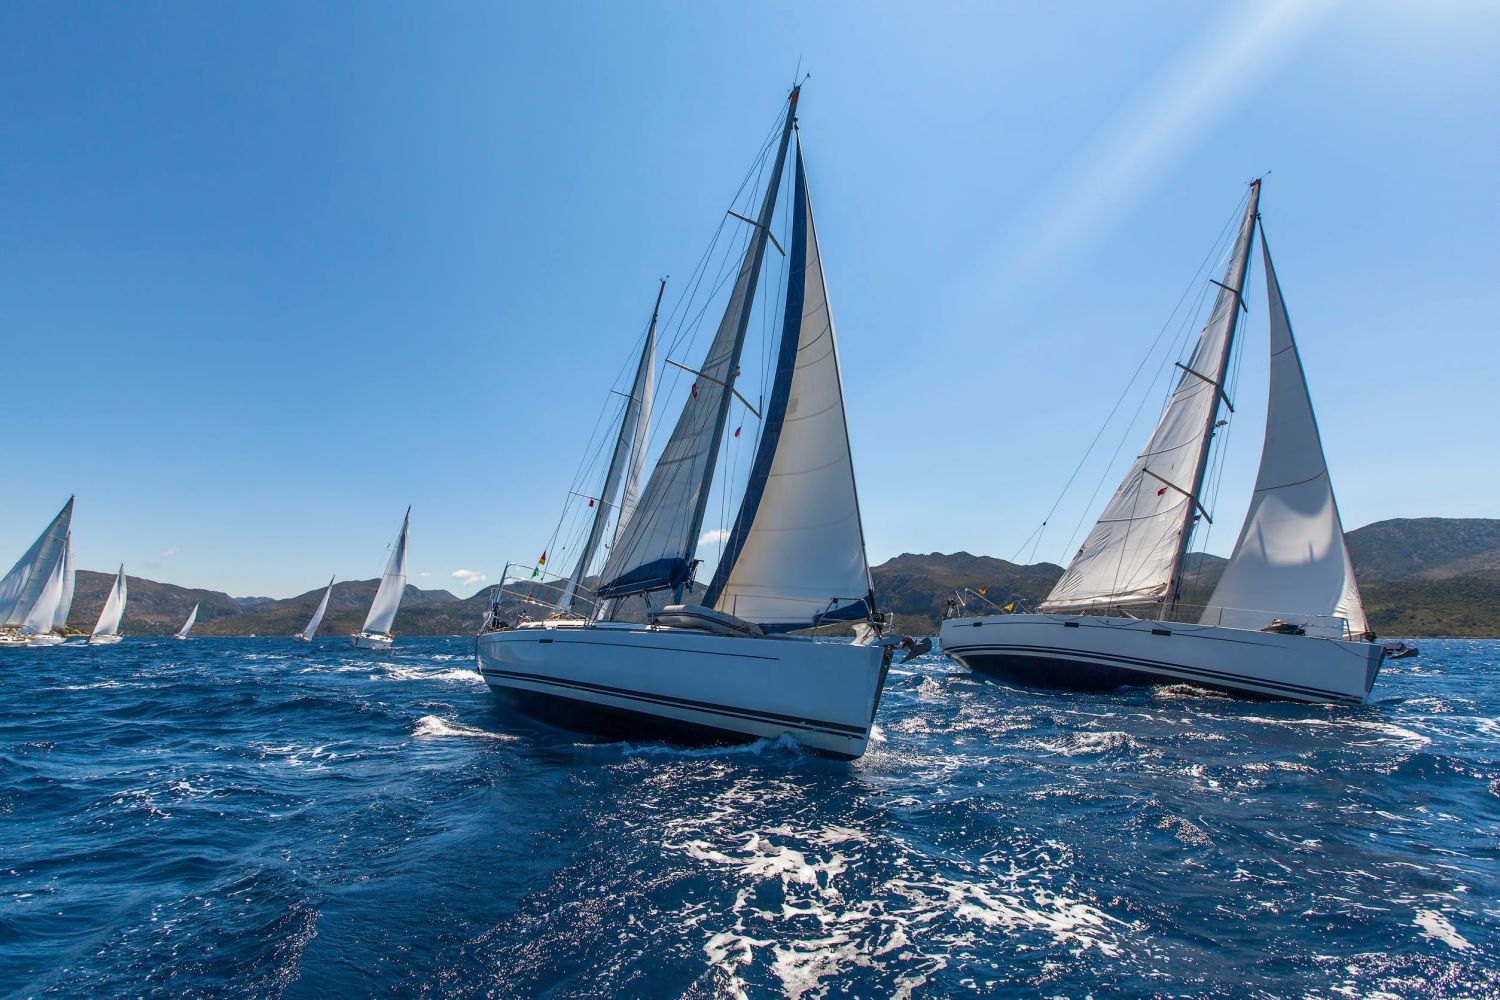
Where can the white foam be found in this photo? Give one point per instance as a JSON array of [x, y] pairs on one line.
[[433, 727], [1436, 926]]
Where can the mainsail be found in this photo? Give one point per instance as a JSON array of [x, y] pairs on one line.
[[187, 626], [633, 425], [1134, 553], [21, 587], [65, 605], [392, 586], [317, 618], [796, 554], [114, 607], [1290, 557], [656, 549]]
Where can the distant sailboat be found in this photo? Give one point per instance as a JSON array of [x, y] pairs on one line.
[[306, 635], [1285, 621], [728, 669], [107, 631], [187, 626], [377, 631], [22, 587]]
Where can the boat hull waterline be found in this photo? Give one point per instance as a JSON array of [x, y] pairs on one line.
[[686, 684], [371, 640], [1095, 652], [104, 640]]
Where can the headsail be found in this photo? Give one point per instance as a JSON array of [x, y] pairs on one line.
[[1133, 555], [632, 420], [656, 549], [22, 586], [796, 554], [65, 605], [187, 626], [114, 607], [1291, 555], [392, 586], [317, 618], [45, 608]]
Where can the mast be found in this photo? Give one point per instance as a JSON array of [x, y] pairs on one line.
[[629, 421], [1194, 504], [758, 252]]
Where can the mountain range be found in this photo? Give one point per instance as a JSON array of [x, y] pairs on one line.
[[1419, 576]]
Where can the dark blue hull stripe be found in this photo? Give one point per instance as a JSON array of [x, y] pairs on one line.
[[1217, 677], [768, 718]]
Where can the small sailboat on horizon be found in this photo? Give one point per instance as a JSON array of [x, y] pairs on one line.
[[376, 633], [728, 669], [107, 630], [187, 626], [306, 635], [1285, 620]]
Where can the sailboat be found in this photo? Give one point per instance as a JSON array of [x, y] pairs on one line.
[[377, 631], [187, 626], [727, 669], [306, 635], [50, 612], [1285, 620], [107, 631], [23, 586]]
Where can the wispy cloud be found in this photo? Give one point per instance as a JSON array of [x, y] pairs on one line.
[[1203, 86], [424, 573], [713, 537], [469, 577], [169, 553]]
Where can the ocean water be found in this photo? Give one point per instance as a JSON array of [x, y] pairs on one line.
[[252, 817]]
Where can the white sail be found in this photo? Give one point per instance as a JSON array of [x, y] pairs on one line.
[[647, 396], [392, 586], [317, 617], [114, 607], [65, 605], [187, 626], [1291, 558], [1133, 553], [797, 550], [21, 587], [655, 551], [631, 420], [45, 607]]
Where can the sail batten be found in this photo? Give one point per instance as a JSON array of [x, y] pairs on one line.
[[656, 548], [1134, 554], [796, 553], [1291, 557], [392, 586]]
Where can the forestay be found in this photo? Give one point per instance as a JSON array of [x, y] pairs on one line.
[[1133, 552], [656, 548], [392, 586], [1291, 558], [22, 586], [796, 553]]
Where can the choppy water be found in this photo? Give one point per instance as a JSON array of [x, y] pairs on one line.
[[248, 817]]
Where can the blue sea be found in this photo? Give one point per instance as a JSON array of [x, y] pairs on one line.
[[256, 818]]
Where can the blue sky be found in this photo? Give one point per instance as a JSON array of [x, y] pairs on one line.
[[271, 272]]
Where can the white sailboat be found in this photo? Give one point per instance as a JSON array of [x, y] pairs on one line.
[[727, 669], [38, 625], [377, 631], [23, 586], [187, 626], [107, 630], [306, 635], [1286, 619]]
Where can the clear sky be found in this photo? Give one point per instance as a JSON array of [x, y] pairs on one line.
[[271, 272]]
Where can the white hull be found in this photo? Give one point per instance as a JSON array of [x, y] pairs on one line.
[[104, 640], [49, 639], [371, 640], [1096, 652], [299, 637], [12, 641], [622, 679]]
